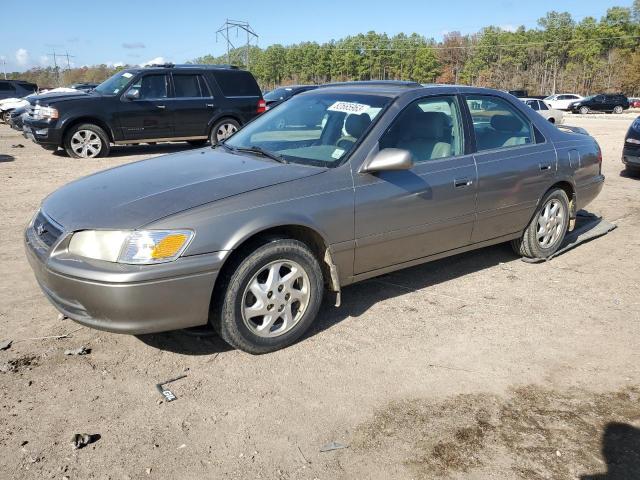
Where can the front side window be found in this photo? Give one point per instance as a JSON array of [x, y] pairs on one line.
[[543, 106], [152, 87], [497, 123], [429, 128], [321, 129]]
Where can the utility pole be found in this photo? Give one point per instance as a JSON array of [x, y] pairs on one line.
[[55, 66], [68, 57], [238, 26], [4, 67]]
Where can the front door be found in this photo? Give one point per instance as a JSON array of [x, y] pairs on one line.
[[406, 215], [514, 166], [150, 115], [193, 105]]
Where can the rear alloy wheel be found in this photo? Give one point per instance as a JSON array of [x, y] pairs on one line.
[[618, 109], [584, 110], [547, 228], [222, 130], [86, 141], [270, 298]]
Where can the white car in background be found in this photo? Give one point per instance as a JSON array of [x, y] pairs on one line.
[[8, 105], [561, 101], [554, 116]]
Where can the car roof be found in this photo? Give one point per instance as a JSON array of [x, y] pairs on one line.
[[188, 66], [396, 88]]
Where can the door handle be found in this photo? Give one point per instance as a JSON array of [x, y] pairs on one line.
[[210, 105], [462, 182], [161, 106], [545, 166]]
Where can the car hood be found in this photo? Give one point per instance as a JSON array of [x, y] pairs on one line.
[[57, 97], [136, 194]]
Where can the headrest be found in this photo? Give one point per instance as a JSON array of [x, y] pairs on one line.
[[419, 124], [506, 123], [355, 125]]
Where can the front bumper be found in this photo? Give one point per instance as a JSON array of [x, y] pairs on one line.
[[42, 132], [119, 298], [631, 156]]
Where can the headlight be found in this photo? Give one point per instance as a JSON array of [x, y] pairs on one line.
[[44, 113], [136, 247]]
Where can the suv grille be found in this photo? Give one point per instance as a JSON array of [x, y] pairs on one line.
[[46, 230]]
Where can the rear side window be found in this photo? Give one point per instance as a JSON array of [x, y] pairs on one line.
[[497, 123], [190, 86], [6, 87], [237, 83]]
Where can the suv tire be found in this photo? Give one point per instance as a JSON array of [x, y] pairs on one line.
[[223, 129], [618, 109], [86, 140], [280, 276], [546, 230], [583, 110]]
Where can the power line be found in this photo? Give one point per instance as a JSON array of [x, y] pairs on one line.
[[237, 26]]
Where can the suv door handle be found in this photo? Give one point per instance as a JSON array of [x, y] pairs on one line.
[[210, 105], [462, 182], [161, 106], [545, 166]]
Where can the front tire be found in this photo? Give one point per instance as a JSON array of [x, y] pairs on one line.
[[222, 130], [545, 233], [270, 298], [584, 110], [86, 141]]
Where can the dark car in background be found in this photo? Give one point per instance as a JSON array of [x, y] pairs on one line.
[[193, 103], [248, 235], [282, 94], [608, 103], [631, 149], [16, 88]]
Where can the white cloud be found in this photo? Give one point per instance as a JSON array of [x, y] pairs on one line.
[[156, 61], [22, 57], [115, 64]]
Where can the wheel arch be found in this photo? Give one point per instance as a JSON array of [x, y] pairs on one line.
[[86, 119], [222, 116]]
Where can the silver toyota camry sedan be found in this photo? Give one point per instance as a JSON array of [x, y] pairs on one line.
[[334, 186]]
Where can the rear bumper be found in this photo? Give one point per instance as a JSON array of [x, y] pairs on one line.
[[631, 156], [126, 298], [588, 192]]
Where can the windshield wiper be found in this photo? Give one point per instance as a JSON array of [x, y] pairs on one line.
[[261, 151], [225, 146]]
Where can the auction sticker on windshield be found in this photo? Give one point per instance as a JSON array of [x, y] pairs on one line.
[[127, 75], [349, 107]]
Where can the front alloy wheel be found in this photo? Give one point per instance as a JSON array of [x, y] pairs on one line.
[[584, 110], [618, 109], [86, 141], [268, 298]]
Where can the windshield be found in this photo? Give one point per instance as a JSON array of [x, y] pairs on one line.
[[278, 94], [114, 84], [318, 130]]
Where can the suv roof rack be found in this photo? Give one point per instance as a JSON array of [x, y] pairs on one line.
[[375, 83], [192, 65]]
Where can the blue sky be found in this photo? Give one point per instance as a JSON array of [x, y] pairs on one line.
[[121, 31]]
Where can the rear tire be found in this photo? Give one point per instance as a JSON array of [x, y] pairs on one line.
[[86, 141], [288, 284], [546, 230], [618, 109], [222, 130]]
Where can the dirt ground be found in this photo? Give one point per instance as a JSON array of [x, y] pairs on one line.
[[478, 366]]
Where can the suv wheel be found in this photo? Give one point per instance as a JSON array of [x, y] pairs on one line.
[[270, 298], [584, 110], [223, 129], [547, 228], [618, 109], [86, 141]]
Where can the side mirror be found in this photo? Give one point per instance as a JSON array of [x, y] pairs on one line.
[[389, 159], [132, 94]]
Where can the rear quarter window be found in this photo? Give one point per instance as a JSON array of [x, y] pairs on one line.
[[237, 83]]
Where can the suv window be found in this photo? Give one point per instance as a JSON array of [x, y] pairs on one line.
[[7, 87], [497, 124], [429, 128], [190, 86], [152, 87], [237, 83]]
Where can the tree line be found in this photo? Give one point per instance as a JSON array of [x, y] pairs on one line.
[[560, 55]]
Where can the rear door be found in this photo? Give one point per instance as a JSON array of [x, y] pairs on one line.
[[515, 163], [149, 117], [193, 105], [406, 215]]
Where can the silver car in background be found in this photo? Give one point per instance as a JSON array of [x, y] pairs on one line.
[[248, 235], [540, 106]]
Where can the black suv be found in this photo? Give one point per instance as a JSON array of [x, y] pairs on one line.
[[194, 103], [16, 89], [615, 103]]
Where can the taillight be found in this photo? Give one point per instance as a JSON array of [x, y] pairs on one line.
[[262, 106]]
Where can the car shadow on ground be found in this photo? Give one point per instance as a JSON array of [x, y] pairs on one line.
[[621, 451], [630, 174], [356, 299], [141, 149], [6, 158]]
